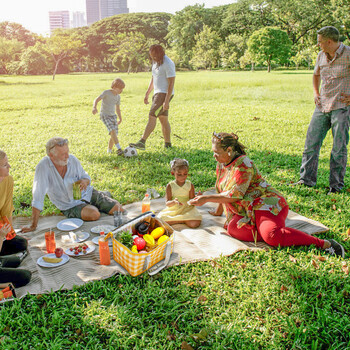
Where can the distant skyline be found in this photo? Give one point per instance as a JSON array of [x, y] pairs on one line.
[[34, 14]]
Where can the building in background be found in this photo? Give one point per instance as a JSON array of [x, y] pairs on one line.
[[98, 9], [58, 19], [78, 19]]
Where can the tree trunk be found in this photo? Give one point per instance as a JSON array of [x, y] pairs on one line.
[[55, 70], [268, 67], [252, 69]]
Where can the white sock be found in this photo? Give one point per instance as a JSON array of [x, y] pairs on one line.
[[118, 146]]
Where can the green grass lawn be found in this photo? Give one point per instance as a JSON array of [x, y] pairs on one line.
[[285, 298]]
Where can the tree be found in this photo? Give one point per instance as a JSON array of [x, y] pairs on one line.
[[232, 50], [10, 50], [269, 44], [35, 60], [183, 28], [60, 46], [130, 50], [11, 30], [206, 50]]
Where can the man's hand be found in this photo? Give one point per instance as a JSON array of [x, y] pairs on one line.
[[84, 183], [94, 110], [345, 98], [119, 121], [145, 100], [166, 105], [317, 99]]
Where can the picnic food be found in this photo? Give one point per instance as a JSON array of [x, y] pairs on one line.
[[81, 248], [58, 252], [52, 260], [149, 240], [162, 239], [140, 243], [157, 232]]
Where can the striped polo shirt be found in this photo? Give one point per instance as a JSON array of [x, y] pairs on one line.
[[335, 76]]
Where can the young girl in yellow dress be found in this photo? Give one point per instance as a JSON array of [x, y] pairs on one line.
[[178, 193]]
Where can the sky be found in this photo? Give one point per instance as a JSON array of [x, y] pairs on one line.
[[34, 14]]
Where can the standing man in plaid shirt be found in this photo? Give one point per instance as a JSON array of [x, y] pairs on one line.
[[331, 112]]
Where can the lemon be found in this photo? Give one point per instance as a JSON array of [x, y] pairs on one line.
[[134, 249], [157, 232], [162, 239]]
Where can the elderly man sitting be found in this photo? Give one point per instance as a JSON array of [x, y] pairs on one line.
[[55, 175]]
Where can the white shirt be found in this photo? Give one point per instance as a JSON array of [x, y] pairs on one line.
[[161, 74], [48, 181]]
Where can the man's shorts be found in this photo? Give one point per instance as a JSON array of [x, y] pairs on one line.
[[98, 199], [157, 105], [110, 122]]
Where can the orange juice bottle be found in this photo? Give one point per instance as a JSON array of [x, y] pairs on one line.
[[146, 204], [105, 256], [50, 241]]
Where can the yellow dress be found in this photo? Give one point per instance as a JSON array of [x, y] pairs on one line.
[[178, 212]]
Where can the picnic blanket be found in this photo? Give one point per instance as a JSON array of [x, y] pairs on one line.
[[209, 241]]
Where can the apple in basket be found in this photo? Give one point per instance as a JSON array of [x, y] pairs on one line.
[[58, 252]]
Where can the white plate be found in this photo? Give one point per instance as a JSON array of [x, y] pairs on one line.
[[95, 240], [83, 236], [41, 262], [104, 228], [69, 224], [89, 250]]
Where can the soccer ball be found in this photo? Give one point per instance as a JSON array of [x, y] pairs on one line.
[[130, 152]]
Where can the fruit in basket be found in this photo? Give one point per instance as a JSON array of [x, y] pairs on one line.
[[134, 249], [140, 243], [58, 252], [157, 232], [162, 239], [150, 242]]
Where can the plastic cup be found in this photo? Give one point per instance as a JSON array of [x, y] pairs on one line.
[[118, 218], [105, 256], [76, 190], [50, 241]]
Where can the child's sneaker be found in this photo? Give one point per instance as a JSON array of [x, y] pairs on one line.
[[120, 152], [335, 248], [138, 145]]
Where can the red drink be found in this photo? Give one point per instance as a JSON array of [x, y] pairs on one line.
[[105, 256], [50, 241]]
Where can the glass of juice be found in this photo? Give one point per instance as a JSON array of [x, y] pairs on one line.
[[105, 256], [50, 241]]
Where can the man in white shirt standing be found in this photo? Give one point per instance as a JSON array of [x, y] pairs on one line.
[[55, 176], [163, 81]]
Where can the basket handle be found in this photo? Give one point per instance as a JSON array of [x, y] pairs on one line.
[[162, 264]]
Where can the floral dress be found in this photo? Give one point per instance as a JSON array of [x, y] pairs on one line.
[[242, 181]]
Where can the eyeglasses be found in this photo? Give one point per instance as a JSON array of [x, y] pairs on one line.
[[218, 136], [59, 143]]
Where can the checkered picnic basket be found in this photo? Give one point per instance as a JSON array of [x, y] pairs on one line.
[[153, 261]]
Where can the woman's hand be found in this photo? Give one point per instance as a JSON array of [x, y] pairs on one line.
[[4, 231], [197, 201], [26, 229]]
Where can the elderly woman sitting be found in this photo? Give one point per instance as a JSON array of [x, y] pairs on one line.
[[8, 264], [254, 210]]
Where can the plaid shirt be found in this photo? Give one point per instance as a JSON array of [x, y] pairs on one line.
[[335, 76]]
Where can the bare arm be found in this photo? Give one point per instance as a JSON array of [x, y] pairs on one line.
[[149, 90], [214, 198], [168, 196], [316, 81], [119, 113], [35, 219], [94, 106], [171, 83]]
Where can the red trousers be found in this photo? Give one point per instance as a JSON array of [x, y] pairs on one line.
[[272, 230]]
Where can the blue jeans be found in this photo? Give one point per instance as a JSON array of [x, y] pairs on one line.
[[337, 120]]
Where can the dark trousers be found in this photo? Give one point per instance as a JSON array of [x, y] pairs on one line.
[[8, 264]]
